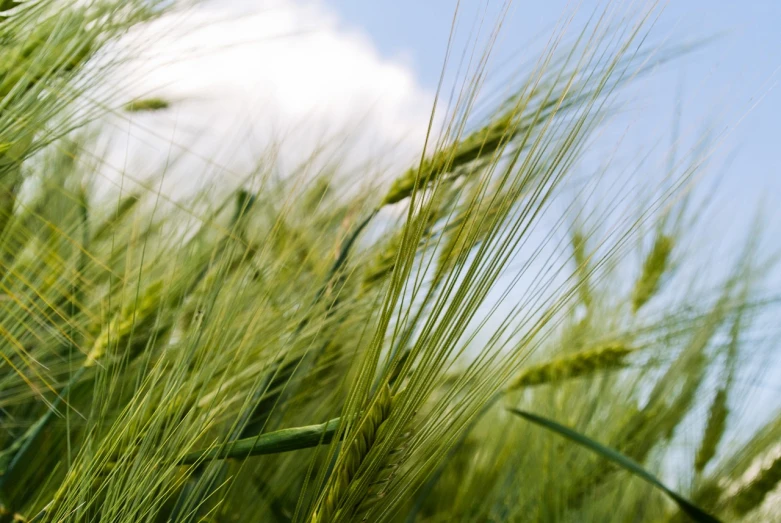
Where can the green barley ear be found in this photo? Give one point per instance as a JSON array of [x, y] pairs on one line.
[[404, 185], [480, 145], [351, 458], [714, 430], [131, 325], [518, 117], [147, 105], [483, 145], [584, 363], [655, 265], [752, 494], [719, 410], [378, 489]]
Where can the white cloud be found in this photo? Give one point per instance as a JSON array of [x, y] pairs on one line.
[[246, 74]]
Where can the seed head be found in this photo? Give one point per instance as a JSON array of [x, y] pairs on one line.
[[580, 364], [654, 267]]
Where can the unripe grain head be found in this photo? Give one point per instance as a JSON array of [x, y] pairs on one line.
[[580, 364]]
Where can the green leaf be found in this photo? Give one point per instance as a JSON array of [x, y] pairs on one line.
[[284, 440], [692, 510]]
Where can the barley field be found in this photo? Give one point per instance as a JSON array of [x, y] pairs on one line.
[[502, 329]]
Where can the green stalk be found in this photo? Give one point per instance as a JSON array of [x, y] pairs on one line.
[[285, 440]]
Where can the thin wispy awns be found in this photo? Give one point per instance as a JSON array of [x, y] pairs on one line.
[[311, 348]]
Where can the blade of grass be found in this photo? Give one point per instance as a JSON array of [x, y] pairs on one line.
[[696, 513]]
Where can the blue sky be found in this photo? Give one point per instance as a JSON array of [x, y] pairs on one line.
[[718, 85]]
